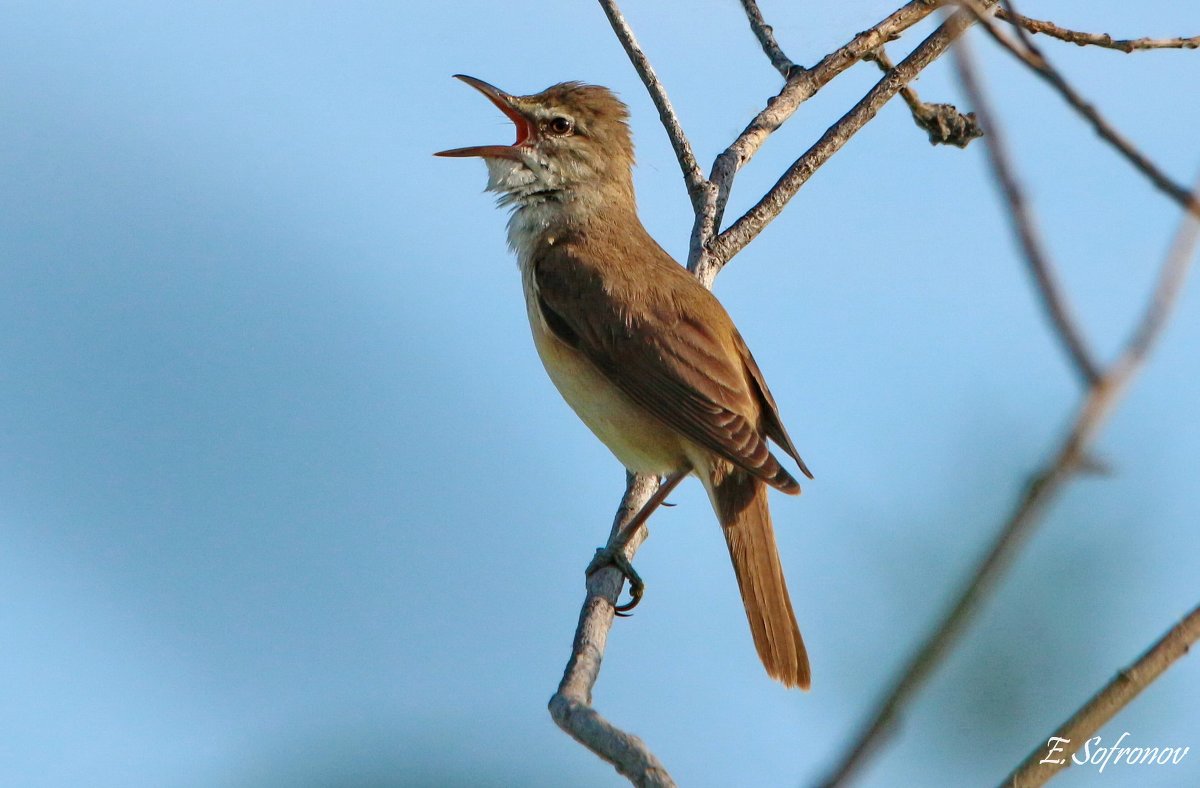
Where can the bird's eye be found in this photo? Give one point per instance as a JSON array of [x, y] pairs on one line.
[[560, 125]]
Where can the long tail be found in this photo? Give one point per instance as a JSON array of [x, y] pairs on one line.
[[740, 501]]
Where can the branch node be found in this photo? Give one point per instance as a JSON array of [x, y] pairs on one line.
[[945, 125]]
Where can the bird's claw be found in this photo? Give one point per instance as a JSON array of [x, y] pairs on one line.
[[616, 558]]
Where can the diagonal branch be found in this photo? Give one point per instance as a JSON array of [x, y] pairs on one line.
[[766, 38], [1032, 57], [1049, 759], [746, 228], [803, 84], [1069, 459], [1023, 224], [693, 176], [1102, 40]]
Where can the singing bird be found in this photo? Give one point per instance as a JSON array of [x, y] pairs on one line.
[[643, 353]]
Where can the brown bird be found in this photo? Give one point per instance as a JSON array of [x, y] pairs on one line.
[[643, 353]]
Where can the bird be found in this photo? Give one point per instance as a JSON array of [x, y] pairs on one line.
[[645, 355]]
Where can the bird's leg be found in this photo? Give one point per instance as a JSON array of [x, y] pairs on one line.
[[614, 553]]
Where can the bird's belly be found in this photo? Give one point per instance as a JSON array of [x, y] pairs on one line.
[[639, 440]]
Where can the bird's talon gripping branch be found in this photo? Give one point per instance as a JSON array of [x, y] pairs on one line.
[[635, 596], [607, 556]]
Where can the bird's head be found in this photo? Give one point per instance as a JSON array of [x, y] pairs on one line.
[[572, 141]]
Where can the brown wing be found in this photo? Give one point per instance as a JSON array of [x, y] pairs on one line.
[[771, 419], [665, 358]]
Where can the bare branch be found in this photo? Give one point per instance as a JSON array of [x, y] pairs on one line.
[[1103, 40], [1032, 57], [944, 124], [1162, 301], [1023, 224], [693, 176], [571, 706], [766, 37], [1043, 763], [800, 87], [746, 228], [1069, 459]]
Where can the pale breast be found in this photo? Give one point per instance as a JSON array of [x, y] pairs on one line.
[[640, 441]]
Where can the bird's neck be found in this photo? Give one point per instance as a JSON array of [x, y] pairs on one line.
[[546, 217]]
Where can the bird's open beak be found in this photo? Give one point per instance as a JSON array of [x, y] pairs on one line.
[[507, 105]]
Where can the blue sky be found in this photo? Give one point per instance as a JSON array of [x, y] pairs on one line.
[[286, 498]]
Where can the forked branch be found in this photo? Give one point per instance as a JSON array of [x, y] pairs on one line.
[[801, 85], [747, 228]]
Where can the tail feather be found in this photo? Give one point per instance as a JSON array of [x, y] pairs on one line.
[[740, 501]]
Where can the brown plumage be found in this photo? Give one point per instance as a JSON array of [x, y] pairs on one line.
[[645, 355]]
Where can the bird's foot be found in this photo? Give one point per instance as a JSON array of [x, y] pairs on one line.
[[607, 556]]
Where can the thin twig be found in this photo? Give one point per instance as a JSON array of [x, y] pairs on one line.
[[880, 56], [1032, 57], [1055, 755], [1023, 224], [766, 37], [571, 706], [944, 124], [802, 84], [1102, 40], [1069, 459], [746, 228], [693, 176]]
